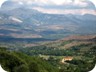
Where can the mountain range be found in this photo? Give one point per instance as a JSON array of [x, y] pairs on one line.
[[23, 22]]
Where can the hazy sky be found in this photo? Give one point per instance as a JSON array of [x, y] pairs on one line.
[[57, 6], [42, 2]]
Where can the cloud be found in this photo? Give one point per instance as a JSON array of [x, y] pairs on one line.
[[57, 6], [66, 11], [52, 2], [57, 3], [67, 6]]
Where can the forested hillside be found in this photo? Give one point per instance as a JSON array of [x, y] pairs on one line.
[[20, 62], [48, 56]]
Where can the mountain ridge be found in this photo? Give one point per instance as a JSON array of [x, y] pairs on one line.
[[33, 23]]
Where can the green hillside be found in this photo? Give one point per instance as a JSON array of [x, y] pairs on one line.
[[19, 62], [48, 56]]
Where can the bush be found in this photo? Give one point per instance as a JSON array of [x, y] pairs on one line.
[[22, 68]]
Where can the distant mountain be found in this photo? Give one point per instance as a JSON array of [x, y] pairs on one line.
[[29, 23]]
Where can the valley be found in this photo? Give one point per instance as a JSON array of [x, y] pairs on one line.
[[73, 52], [47, 37]]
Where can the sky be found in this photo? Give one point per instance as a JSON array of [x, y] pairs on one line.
[[58, 2], [58, 6]]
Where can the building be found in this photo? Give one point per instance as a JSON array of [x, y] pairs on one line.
[[68, 58]]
